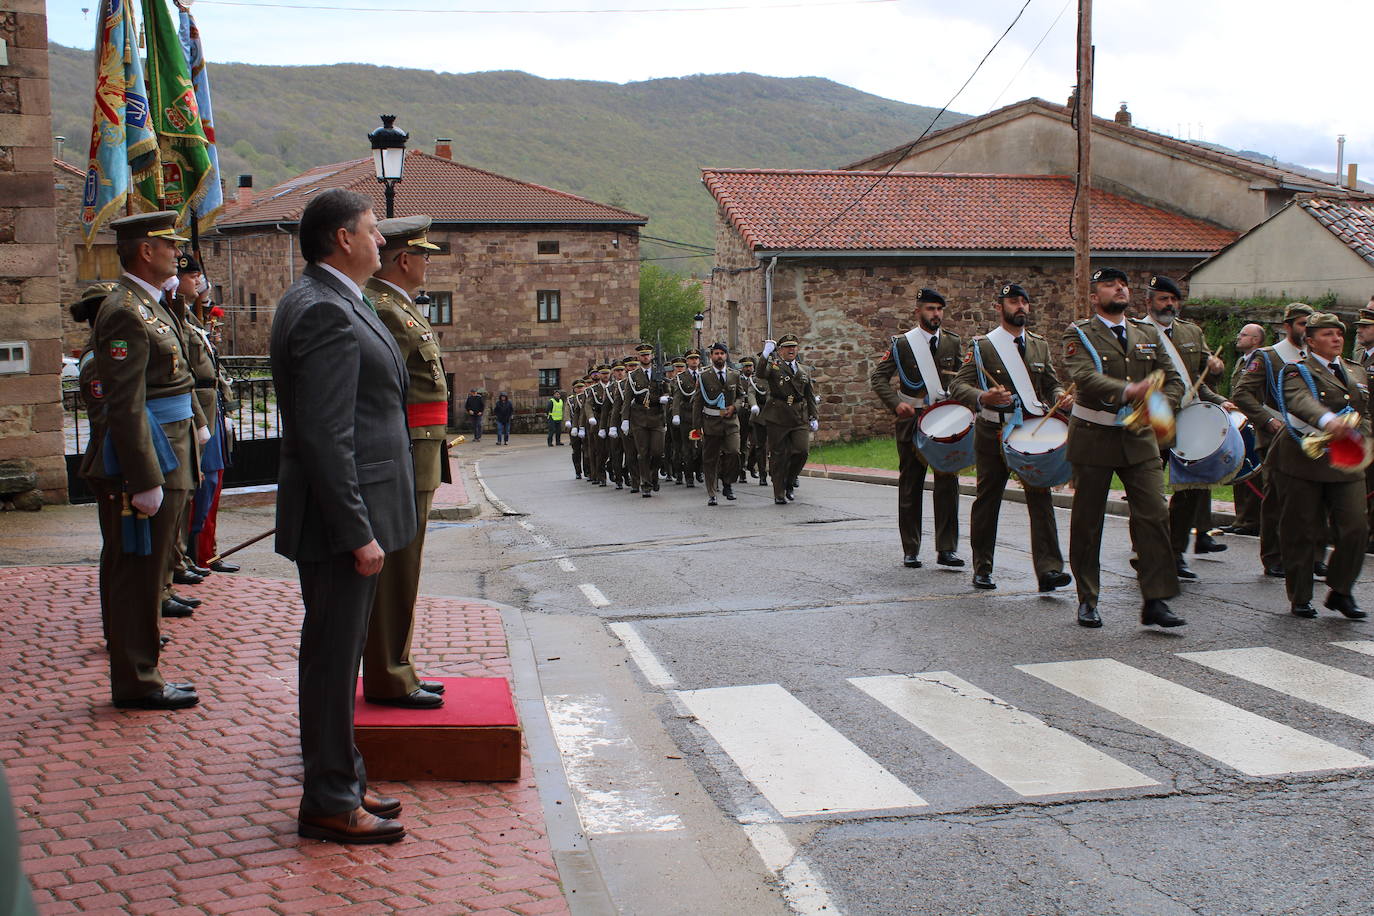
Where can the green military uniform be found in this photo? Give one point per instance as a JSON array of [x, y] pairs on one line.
[[984, 368], [145, 387], [598, 415], [684, 391], [900, 362], [1315, 489], [648, 394], [720, 396], [673, 435], [790, 411], [758, 430], [1246, 495], [92, 393], [745, 417], [1366, 360], [573, 421], [1099, 446], [615, 443], [388, 672]]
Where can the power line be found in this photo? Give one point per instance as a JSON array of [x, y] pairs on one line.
[[557, 12]]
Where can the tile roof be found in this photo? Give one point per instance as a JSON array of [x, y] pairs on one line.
[[1352, 224], [446, 190], [777, 209]]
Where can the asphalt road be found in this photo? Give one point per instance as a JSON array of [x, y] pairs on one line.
[[759, 709]]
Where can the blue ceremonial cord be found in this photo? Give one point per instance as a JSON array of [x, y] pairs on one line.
[[1097, 360], [1311, 386], [897, 358], [719, 402], [1017, 418]]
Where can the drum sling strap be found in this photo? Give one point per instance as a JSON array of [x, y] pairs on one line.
[[1294, 425]]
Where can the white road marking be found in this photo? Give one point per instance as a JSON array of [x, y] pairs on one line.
[[566, 565], [1252, 744], [653, 670], [1013, 747], [616, 792], [801, 887], [1357, 645], [1309, 681], [799, 763], [594, 595]]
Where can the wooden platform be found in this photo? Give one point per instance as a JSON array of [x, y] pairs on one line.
[[474, 736]]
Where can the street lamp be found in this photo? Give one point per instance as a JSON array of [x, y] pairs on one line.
[[698, 322], [388, 157]]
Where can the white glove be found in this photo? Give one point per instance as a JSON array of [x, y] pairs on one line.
[[677, 421], [614, 432], [754, 410], [625, 426], [664, 400], [601, 434], [202, 435], [769, 346], [815, 425], [591, 420], [148, 501], [567, 424], [582, 432]]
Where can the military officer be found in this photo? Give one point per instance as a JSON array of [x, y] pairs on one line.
[[1186, 347], [1110, 359], [1009, 367], [648, 390], [1326, 392], [1247, 493], [790, 414], [745, 417], [615, 415], [758, 430], [598, 411], [388, 673], [720, 396], [924, 361], [1257, 396], [144, 467], [684, 393], [573, 423], [675, 433]]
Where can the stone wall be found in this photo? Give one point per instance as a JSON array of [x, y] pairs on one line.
[[30, 403], [77, 265]]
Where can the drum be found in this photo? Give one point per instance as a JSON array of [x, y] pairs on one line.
[[1037, 452], [1208, 450], [1250, 464], [944, 436]]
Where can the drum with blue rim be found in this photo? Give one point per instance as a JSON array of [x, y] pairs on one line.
[[1037, 452], [1208, 449], [944, 436]]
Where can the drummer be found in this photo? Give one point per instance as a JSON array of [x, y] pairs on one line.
[[1008, 377], [1186, 347], [924, 360], [1247, 494], [1110, 359]]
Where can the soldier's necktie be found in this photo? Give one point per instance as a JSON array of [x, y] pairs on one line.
[[1338, 371], [1120, 332], [1021, 346], [722, 378], [934, 343], [1169, 332]]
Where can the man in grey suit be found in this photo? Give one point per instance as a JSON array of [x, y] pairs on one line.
[[345, 496]]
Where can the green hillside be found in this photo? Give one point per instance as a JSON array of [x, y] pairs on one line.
[[639, 145]]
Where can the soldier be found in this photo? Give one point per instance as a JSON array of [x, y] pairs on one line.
[[1110, 359], [1323, 391], [615, 446], [1184, 344], [1006, 369], [1364, 355], [720, 396], [597, 409], [648, 396], [144, 467], [573, 423], [627, 439], [675, 434], [745, 417], [388, 673], [1257, 396], [789, 414], [684, 392], [924, 360], [1247, 492], [758, 430]]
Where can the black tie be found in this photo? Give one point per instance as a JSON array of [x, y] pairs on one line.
[[934, 343], [1169, 332], [722, 378], [1120, 332], [1021, 346], [1339, 372]]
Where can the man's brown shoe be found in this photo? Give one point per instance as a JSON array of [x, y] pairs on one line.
[[381, 805], [356, 826]]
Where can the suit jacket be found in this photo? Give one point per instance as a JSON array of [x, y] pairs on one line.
[[345, 474], [791, 395], [949, 354], [1332, 396], [733, 391], [965, 388], [1099, 445]]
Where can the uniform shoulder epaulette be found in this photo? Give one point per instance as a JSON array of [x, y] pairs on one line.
[[1082, 322], [1138, 321], [1035, 335], [1185, 321]]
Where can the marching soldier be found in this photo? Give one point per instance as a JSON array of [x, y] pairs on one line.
[[758, 430], [1006, 368], [648, 391], [598, 409], [615, 446], [144, 467], [924, 360], [1257, 396], [684, 392], [790, 413], [627, 439], [1247, 493], [745, 417], [1110, 359], [1364, 355], [718, 398], [573, 423], [388, 673], [1186, 347], [674, 435], [1326, 392]]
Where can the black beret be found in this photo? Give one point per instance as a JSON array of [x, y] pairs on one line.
[[720, 345], [929, 295], [1103, 274], [187, 264], [1013, 289], [1165, 285]]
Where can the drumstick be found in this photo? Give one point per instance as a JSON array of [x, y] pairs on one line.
[[248, 543], [1073, 386], [1192, 392]]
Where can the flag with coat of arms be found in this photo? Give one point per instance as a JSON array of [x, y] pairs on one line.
[[209, 206], [187, 171]]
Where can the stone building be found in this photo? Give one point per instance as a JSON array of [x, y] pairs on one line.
[[77, 265], [30, 330], [532, 285], [795, 252]]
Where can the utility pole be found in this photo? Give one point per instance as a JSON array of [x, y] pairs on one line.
[[1083, 97]]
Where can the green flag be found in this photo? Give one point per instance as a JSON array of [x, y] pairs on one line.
[[187, 172]]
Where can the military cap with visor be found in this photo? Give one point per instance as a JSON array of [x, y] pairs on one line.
[[692, 351], [1297, 310], [1321, 320], [1366, 317], [789, 340], [159, 225], [644, 347], [406, 233]]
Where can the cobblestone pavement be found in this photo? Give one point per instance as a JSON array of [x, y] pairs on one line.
[[194, 811]]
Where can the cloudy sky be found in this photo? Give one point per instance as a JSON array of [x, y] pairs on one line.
[[1251, 74]]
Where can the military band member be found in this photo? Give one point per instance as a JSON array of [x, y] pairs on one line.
[[648, 389], [790, 414], [924, 361], [144, 468], [1109, 359], [573, 423], [1007, 367], [388, 673], [719, 397], [1247, 493], [758, 430], [1364, 355], [1320, 391], [1257, 396], [684, 393]]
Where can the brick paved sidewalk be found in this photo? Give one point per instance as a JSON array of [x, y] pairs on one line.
[[194, 811]]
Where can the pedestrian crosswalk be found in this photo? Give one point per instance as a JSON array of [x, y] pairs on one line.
[[801, 764]]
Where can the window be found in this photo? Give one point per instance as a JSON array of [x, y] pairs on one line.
[[440, 307], [550, 380], [550, 308], [548, 247], [253, 307]]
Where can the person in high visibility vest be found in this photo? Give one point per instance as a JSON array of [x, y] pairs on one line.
[[555, 414]]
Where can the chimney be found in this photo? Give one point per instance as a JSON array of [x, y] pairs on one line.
[[1123, 117], [1352, 170], [245, 196], [443, 148]]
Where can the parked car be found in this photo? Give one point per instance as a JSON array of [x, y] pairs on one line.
[[71, 369]]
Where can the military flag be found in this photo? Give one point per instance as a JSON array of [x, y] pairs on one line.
[[213, 201], [186, 169], [122, 172]]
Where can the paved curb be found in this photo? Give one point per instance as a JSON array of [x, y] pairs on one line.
[[453, 513], [240, 497], [1116, 507]]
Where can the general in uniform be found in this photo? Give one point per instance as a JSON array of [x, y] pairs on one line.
[[720, 396], [790, 414]]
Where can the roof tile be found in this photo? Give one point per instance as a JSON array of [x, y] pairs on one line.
[[1353, 225]]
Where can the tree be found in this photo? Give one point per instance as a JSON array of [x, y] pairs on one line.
[[667, 304]]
